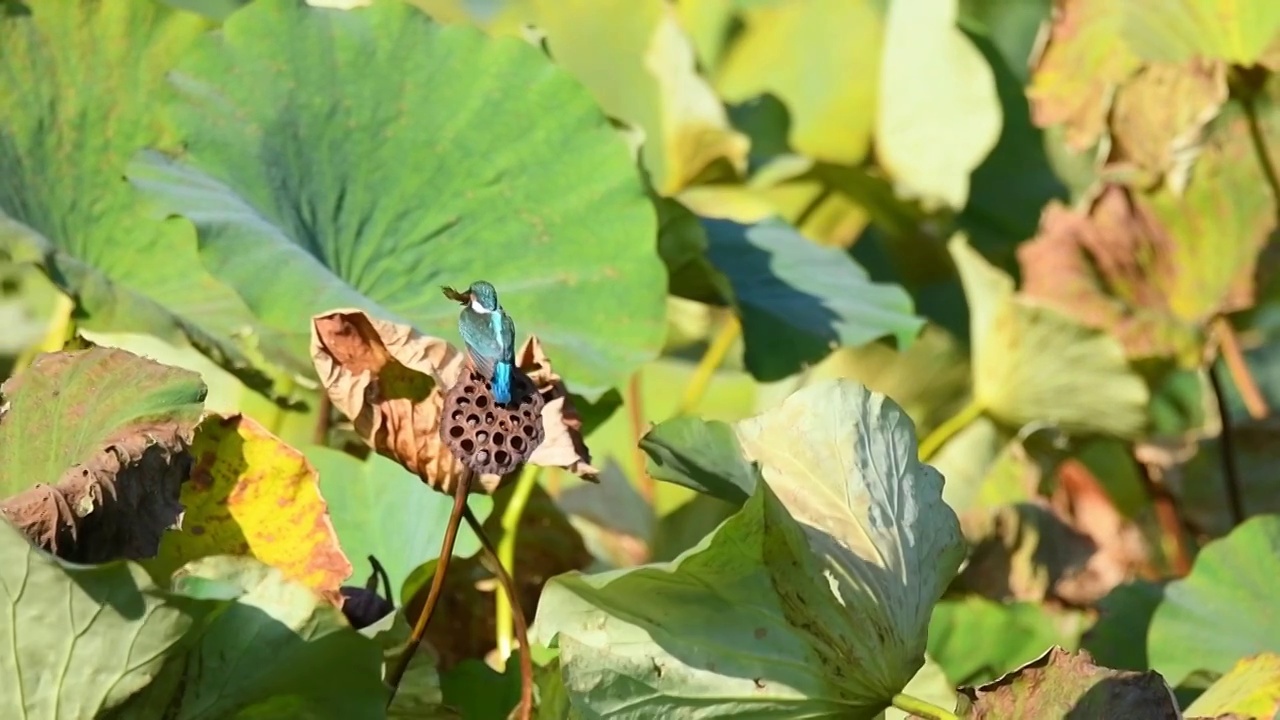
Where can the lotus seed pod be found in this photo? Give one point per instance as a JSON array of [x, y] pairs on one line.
[[487, 437]]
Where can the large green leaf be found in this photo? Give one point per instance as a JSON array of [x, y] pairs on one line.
[[1238, 32], [78, 639], [1034, 364], [700, 454], [976, 640], [96, 441], [380, 509], [798, 299], [938, 114], [402, 155], [1225, 609], [821, 58], [77, 100], [304, 659], [813, 599], [646, 75]]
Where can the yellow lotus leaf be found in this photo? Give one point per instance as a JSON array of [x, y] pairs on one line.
[[252, 494]]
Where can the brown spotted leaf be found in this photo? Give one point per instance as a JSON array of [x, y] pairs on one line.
[[390, 380], [1154, 269], [1159, 116], [1078, 256], [93, 448], [1062, 684], [251, 494], [1080, 69]]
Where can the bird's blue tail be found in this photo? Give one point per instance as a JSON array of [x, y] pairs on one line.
[[502, 382]]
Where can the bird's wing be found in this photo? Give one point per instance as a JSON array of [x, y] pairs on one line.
[[506, 336]]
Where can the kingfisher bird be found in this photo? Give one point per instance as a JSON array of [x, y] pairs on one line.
[[489, 334]]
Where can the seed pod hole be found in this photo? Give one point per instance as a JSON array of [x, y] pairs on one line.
[[488, 437]]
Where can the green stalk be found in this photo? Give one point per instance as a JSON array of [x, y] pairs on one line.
[[948, 429], [507, 555], [922, 708]]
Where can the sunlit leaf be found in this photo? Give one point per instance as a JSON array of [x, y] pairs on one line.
[[645, 74], [1220, 612], [1251, 688], [821, 58], [1238, 32], [1080, 68], [938, 115], [1034, 364], [93, 449], [848, 532], [77, 101], [250, 494], [445, 149]]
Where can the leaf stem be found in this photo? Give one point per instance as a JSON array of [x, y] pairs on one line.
[[635, 413], [954, 424], [922, 708], [707, 366], [1226, 448], [522, 626], [460, 493], [1229, 349], [507, 554]]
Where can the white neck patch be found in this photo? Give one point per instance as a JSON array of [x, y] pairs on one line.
[[477, 307]]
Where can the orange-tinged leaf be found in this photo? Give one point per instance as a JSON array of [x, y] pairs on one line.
[[1155, 268], [1104, 267], [252, 494], [1080, 68]]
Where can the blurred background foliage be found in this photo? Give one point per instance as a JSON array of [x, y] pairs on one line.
[[1044, 227]]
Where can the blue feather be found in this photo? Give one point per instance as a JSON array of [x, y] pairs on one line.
[[502, 382]]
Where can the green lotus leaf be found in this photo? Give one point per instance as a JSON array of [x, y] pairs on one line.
[[812, 599], [80, 639], [798, 299], [938, 114], [1033, 364], [380, 509], [96, 441], [822, 59], [702, 455], [1224, 609], [646, 75], [77, 100], [977, 640], [1240, 32], [273, 648], [403, 155]]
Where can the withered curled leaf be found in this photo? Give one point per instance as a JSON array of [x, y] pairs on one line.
[[390, 380]]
